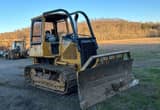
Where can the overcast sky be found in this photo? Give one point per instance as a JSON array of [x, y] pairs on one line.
[[16, 14]]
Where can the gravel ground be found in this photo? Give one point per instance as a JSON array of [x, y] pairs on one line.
[[15, 94]]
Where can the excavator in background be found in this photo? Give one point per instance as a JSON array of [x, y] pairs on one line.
[[65, 60], [18, 50]]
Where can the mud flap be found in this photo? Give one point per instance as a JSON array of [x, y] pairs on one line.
[[103, 81]]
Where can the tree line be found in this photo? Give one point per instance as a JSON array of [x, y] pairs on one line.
[[104, 29]]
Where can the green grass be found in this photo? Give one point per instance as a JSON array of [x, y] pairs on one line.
[[145, 55], [145, 96]]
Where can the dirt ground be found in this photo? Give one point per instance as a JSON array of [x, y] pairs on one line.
[[15, 94]]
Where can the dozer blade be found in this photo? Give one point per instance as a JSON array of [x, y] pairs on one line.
[[105, 79]]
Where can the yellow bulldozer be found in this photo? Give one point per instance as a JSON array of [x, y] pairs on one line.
[[65, 60]]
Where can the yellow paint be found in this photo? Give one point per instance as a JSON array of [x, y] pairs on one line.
[[69, 47], [36, 51], [44, 51]]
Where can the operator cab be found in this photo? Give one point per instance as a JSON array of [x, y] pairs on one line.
[[58, 30], [52, 27], [49, 29]]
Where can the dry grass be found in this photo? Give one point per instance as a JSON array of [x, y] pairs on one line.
[[139, 41], [104, 29]]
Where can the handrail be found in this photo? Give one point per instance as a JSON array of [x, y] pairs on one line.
[[103, 55], [88, 21]]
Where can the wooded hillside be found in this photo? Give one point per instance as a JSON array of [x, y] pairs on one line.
[[104, 29], [7, 38], [121, 29]]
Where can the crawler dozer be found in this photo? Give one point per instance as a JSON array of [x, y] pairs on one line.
[[71, 63]]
